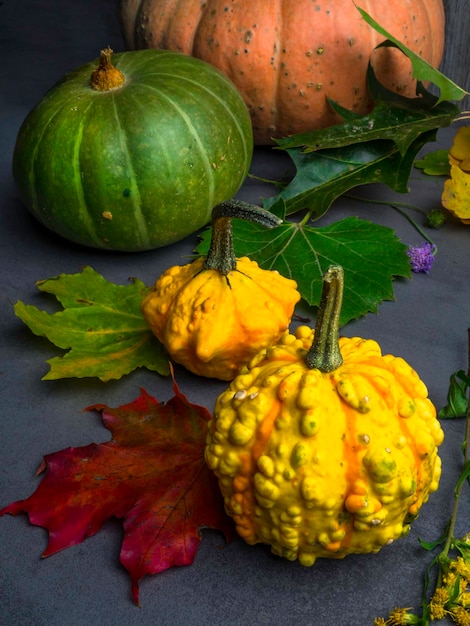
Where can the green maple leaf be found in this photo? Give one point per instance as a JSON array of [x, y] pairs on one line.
[[101, 326], [370, 254]]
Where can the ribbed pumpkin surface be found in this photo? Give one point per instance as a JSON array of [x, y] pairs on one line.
[[140, 166], [285, 57]]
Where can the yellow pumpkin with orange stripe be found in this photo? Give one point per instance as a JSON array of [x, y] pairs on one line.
[[323, 446]]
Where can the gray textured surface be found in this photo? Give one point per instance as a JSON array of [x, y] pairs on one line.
[[456, 61], [234, 585]]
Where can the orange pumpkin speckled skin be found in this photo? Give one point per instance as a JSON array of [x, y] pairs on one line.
[[212, 323], [324, 464], [286, 57]]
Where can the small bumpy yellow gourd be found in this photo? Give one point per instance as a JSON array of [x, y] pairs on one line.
[[324, 447], [215, 314]]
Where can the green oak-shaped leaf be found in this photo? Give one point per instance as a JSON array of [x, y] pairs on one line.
[[371, 256], [324, 175], [394, 117], [101, 327]]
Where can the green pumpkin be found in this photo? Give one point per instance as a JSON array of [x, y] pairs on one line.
[[137, 165]]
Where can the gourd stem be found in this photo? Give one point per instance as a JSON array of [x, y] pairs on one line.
[[325, 354], [221, 254], [106, 77]]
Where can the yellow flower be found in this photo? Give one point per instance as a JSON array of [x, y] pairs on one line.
[[401, 617], [440, 596], [456, 194], [464, 599], [461, 567], [437, 603], [449, 579], [398, 617], [437, 611], [460, 616]]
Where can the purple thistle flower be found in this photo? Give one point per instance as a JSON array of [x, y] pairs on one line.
[[421, 257]]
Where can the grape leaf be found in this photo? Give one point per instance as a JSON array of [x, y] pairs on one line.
[[152, 474], [370, 254], [101, 326]]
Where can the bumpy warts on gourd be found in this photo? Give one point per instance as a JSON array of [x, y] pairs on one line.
[[322, 446], [215, 314]]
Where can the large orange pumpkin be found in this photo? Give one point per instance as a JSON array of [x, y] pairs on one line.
[[285, 57]]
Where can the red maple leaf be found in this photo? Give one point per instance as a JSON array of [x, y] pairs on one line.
[[151, 474]]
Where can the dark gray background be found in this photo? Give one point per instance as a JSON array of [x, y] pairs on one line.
[[233, 585]]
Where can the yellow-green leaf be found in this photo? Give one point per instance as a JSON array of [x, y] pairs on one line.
[[434, 163], [100, 326], [422, 70], [456, 194]]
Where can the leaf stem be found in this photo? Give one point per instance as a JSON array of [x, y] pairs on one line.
[[463, 115], [404, 205], [399, 206], [466, 446], [305, 220], [276, 183], [415, 225], [460, 482]]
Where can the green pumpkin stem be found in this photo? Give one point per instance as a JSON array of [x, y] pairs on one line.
[[221, 255], [106, 77], [325, 354]]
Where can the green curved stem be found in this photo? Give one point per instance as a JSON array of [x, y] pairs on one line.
[[415, 225], [466, 452], [463, 115], [221, 254], [399, 206], [325, 354]]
